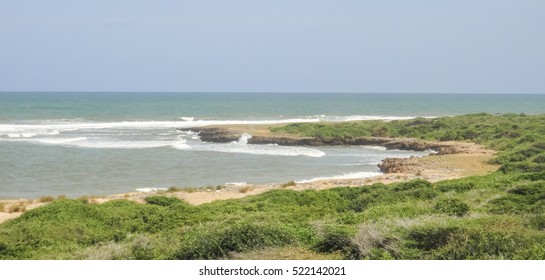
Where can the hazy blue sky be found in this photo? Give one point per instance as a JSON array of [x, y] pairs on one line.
[[275, 46]]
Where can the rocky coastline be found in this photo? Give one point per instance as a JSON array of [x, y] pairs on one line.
[[225, 135], [388, 165]]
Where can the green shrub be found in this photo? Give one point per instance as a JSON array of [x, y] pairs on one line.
[[431, 237], [339, 241], [456, 185], [537, 222], [413, 184], [540, 158], [539, 145], [288, 184], [482, 244], [46, 199], [217, 243], [164, 201], [528, 198], [536, 176], [452, 206], [522, 167]]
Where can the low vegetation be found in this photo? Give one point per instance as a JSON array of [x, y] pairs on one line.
[[45, 199], [496, 216], [289, 184]]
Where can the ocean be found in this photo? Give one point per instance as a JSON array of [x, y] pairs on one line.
[[73, 144]]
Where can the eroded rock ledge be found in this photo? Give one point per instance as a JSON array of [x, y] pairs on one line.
[[225, 135]]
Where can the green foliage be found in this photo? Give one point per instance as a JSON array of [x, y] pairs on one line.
[[413, 184], [339, 241], [165, 201], [456, 185], [528, 198], [479, 244], [219, 242], [431, 238], [289, 184], [452, 206]]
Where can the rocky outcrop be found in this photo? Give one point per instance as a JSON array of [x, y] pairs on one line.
[[213, 134], [224, 135], [400, 165]]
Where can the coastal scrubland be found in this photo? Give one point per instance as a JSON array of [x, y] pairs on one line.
[[500, 215]]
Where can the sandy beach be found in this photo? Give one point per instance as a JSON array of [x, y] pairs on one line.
[[471, 159]]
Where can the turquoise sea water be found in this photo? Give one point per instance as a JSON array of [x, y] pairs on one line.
[[101, 143]]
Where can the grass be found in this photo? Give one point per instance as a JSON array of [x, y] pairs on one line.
[[18, 207], [491, 216], [45, 199], [288, 184]]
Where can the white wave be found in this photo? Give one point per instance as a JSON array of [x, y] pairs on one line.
[[122, 144], [84, 142], [273, 150], [242, 146], [47, 127], [57, 126], [187, 119], [378, 148], [22, 135], [51, 141], [236, 184], [145, 190], [244, 139], [354, 175], [180, 145], [28, 133]]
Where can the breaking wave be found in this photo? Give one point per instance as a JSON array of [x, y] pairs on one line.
[[354, 175]]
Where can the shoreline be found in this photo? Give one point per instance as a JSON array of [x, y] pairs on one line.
[[453, 160]]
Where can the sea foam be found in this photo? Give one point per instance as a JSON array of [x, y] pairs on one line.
[[242, 146], [353, 175]]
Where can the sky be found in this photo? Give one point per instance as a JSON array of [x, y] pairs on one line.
[[417, 46]]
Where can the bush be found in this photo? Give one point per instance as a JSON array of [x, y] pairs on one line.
[[540, 158], [431, 238], [164, 201], [413, 184], [522, 199], [288, 184], [536, 176], [46, 199], [538, 222], [375, 241], [457, 186], [452, 206], [339, 242], [521, 167], [217, 243], [482, 244]]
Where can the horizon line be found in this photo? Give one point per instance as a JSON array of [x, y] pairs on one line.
[[266, 92]]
